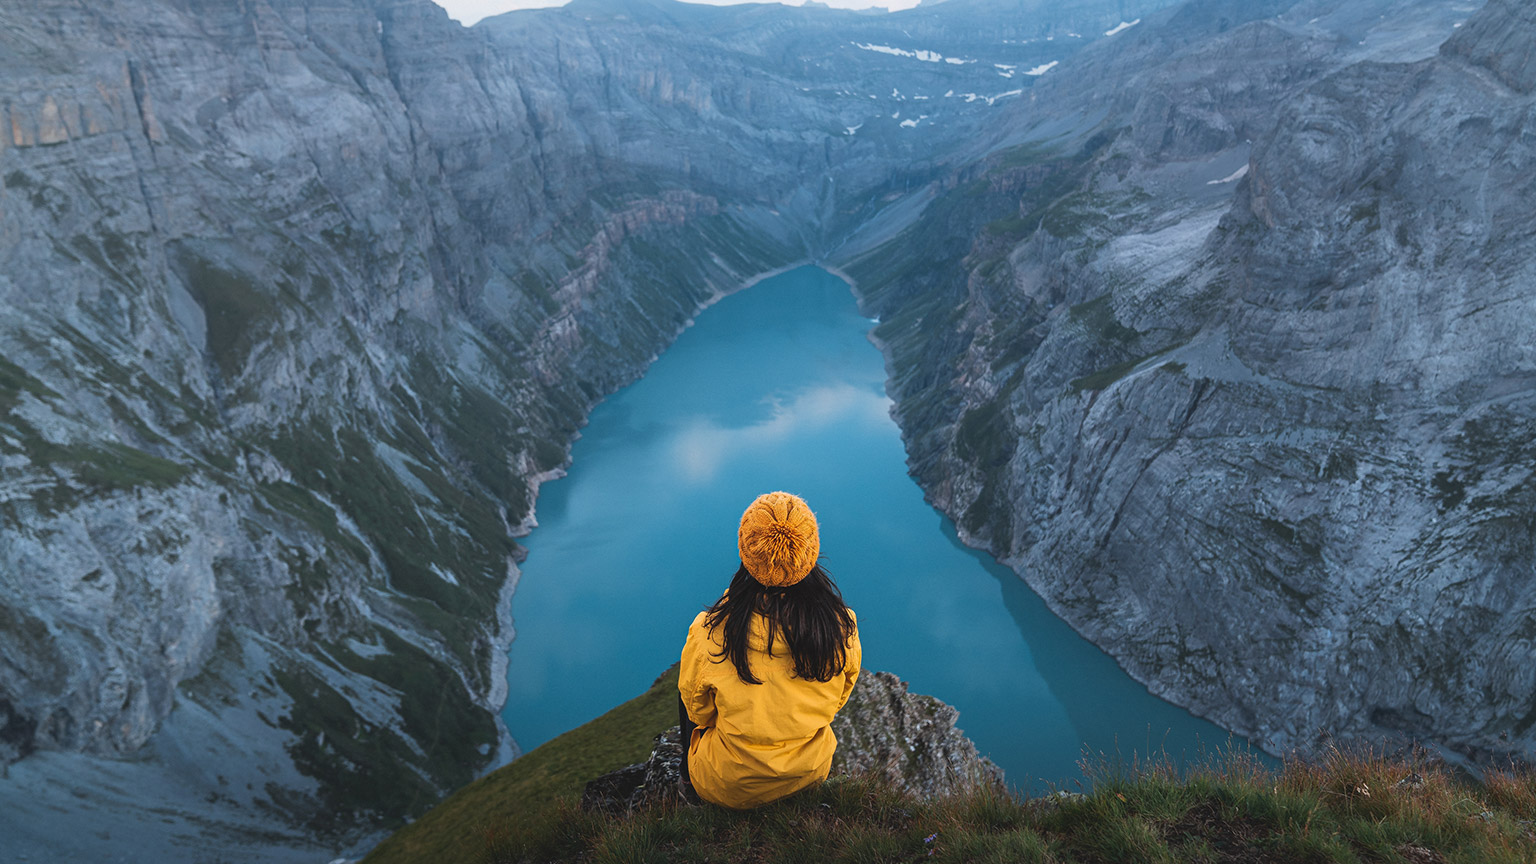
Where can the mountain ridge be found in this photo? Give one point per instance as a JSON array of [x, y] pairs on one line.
[[307, 298]]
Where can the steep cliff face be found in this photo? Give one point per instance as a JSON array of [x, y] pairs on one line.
[[303, 300], [1256, 419], [275, 405]]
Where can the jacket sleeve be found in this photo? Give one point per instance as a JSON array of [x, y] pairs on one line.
[[697, 693], [854, 660]]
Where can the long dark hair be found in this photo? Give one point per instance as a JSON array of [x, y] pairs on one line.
[[810, 614]]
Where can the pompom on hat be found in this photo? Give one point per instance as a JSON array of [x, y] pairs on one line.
[[778, 539]]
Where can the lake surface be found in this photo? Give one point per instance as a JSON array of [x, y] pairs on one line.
[[777, 387]]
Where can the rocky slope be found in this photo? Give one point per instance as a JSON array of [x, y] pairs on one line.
[[304, 297], [1228, 360]]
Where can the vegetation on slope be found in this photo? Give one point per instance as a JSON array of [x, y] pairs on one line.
[[1346, 809], [545, 781], [1349, 808]]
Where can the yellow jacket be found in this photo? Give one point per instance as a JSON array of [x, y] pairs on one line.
[[757, 743]]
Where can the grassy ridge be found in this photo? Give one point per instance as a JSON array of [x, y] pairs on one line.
[[1347, 808], [544, 780]]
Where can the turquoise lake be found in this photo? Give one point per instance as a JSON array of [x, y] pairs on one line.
[[777, 387]]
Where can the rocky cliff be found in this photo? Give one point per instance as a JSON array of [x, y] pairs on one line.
[[305, 297], [1228, 359], [1209, 319]]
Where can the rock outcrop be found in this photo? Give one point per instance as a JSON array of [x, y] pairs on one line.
[[909, 740], [906, 739], [643, 784]]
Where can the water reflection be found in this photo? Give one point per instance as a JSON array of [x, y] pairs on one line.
[[702, 446]]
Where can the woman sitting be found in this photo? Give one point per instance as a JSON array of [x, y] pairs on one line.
[[768, 666]]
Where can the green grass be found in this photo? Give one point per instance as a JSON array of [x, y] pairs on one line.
[[1097, 318], [116, 468], [236, 310], [1344, 808], [545, 780], [1107, 376], [15, 381], [1008, 227], [366, 777], [84, 471]]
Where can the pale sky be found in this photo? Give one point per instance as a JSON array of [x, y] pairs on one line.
[[467, 12]]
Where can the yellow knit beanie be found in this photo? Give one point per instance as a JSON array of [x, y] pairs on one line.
[[778, 539]]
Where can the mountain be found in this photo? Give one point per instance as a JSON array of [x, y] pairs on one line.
[[1225, 354], [304, 298], [1210, 320]]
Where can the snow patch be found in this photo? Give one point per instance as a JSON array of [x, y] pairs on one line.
[[853, 129], [1230, 178], [443, 574], [972, 97], [1042, 68], [909, 124], [894, 52], [920, 54], [1123, 25], [365, 649]]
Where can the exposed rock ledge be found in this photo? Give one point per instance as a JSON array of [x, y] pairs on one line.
[[908, 739]]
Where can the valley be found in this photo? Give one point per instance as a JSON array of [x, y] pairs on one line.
[[1212, 331]]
